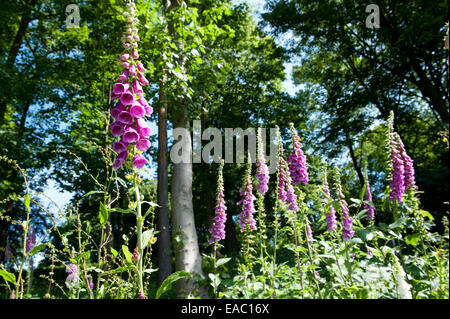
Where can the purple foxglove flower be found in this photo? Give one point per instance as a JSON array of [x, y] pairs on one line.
[[148, 110], [142, 79], [72, 275], [282, 180], [125, 65], [139, 161], [132, 70], [117, 128], [130, 135], [135, 30], [291, 198], [124, 76], [125, 117], [347, 222], [119, 147], [137, 110], [370, 209], [331, 217], [137, 88], [120, 159], [145, 132], [143, 144], [141, 67], [90, 284], [31, 239], [408, 164], [246, 220], [127, 98], [129, 38], [397, 184], [126, 45], [120, 88], [134, 54], [134, 45], [298, 168], [129, 31], [217, 229], [136, 38], [124, 57], [115, 112], [262, 171], [114, 96]]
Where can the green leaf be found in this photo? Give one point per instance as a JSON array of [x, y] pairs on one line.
[[399, 222], [222, 261], [114, 252], [167, 284], [126, 252], [103, 214], [412, 239], [26, 201], [146, 237], [424, 213], [123, 211], [92, 192], [215, 280], [8, 276], [37, 249]]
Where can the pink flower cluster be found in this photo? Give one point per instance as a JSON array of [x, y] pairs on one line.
[[217, 230], [331, 217], [402, 175], [132, 107], [298, 167], [347, 232], [282, 179], [248, 208], [262, 171]]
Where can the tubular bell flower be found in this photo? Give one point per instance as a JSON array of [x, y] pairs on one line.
[[282, 178], [291, 198], [408, 164], [72, 275], [246, 220], [347, 232], [397, 184], [132, 107], [217, 229], [31, 239], [331, 217], [262, 171], [298, 167], [309, 234]]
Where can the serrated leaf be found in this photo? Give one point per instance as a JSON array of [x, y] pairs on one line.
[[412, 239], [8, 276], [167, 284], [215, 280]]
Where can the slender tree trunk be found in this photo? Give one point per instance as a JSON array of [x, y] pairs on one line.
[[187, 251], [163, 225], [14, 50]]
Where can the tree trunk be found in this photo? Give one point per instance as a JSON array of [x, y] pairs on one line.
[[14, 50], [187, 251], [163, 242], [355, 161]]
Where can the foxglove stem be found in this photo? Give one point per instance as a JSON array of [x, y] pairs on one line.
[[139, 224], [297, 255], [310, 254]]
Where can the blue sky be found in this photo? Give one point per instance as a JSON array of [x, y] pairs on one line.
[[62, 198]]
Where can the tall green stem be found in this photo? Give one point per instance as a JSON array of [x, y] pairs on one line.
[[139, 224]]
